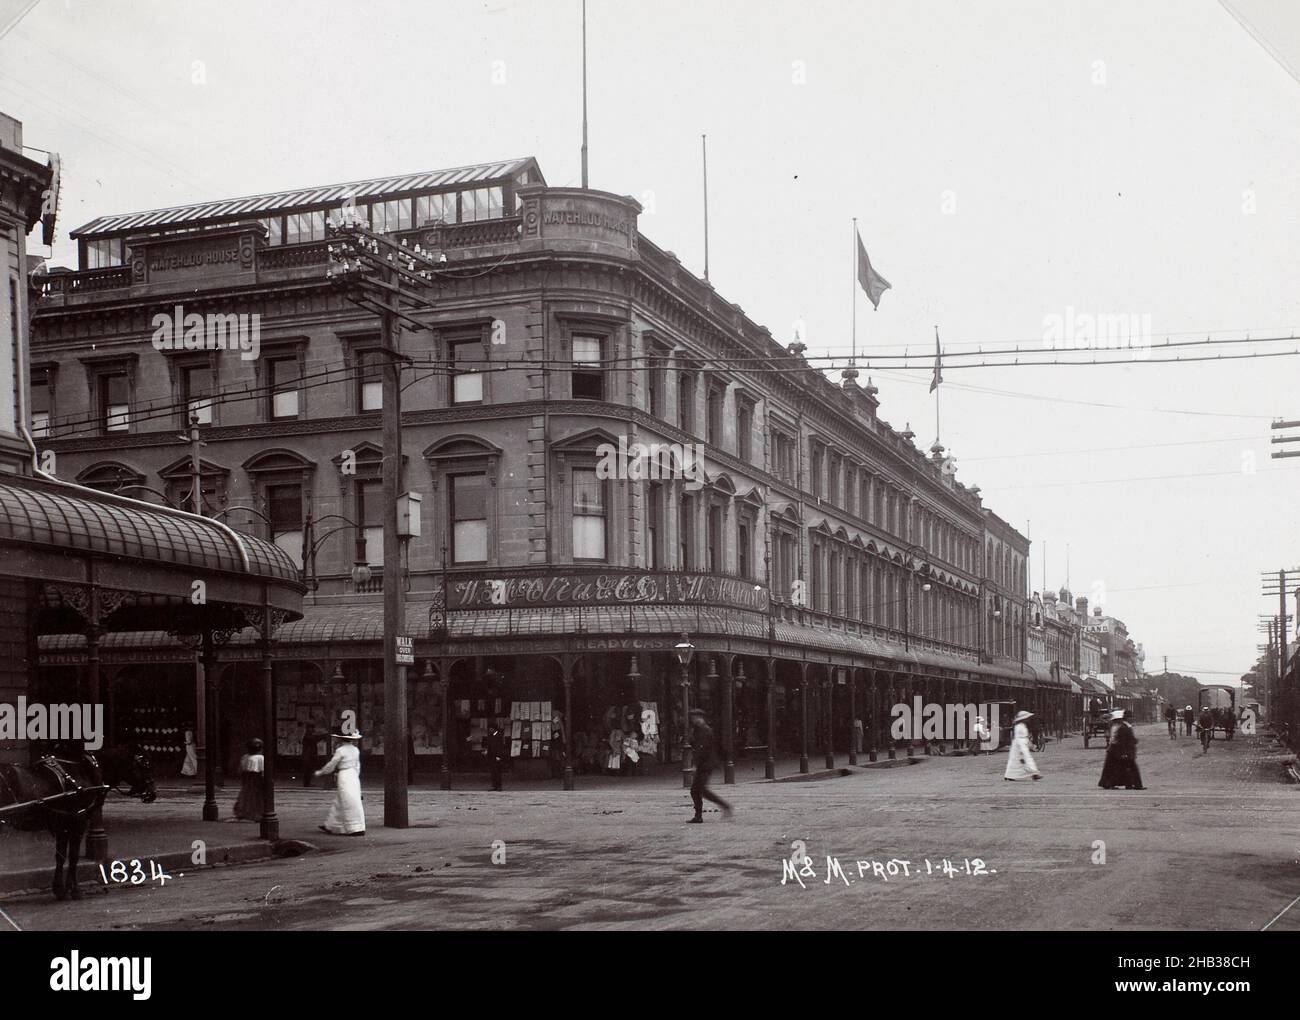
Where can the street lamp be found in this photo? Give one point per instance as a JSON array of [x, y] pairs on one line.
[[685, 651]]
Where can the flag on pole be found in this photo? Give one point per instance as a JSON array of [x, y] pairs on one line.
[[872, 282], [938, 363]]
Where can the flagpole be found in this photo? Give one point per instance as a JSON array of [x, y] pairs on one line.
[[704, 151], [853, 357], [584, 93]]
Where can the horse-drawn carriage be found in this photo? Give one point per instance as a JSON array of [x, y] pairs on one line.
[[1097, 722], [1221, 700]]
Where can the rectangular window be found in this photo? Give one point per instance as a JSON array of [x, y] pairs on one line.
[[588, 515], [744, 547], [304, 226], [392, 215], [686, 401], [653, 526], [588, 376], [197, 385], [284, 511], [686, 533], [654, 386], [370, 515], [468, 511], [435, 209], [744, 429], [717, 396], [103, 253], [274, 229], [370, 380], [815, 469], [785, 564], [481, 204], [467, 359], [114, 402], [833, 479], [282, 386], [40, 403], [714, 537]]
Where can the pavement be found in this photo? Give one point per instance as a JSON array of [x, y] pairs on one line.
[[1213, 843]]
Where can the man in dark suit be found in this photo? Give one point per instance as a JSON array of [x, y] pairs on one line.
[[495, 752], [706, 760]]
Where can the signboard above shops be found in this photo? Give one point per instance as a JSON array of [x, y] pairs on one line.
[[579, 219], [593, 588], [195, 258]]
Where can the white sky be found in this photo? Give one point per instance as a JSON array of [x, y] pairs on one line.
[[1118, 196]]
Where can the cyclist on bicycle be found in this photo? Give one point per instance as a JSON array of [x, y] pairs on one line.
[[1205, 724]]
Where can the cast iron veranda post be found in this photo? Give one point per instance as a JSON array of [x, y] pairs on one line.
[[211, 703], [270, 825], [395, 774], [567, 668], [853, 715], [688, 771], [769, 669], [728, 722], [97, 837], [830, 722], [444, 678], [803, 718]]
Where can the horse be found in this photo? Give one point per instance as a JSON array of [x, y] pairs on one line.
[[59, 795]]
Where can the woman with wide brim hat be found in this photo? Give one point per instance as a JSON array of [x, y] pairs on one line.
[[347, 816], [1020, 762]]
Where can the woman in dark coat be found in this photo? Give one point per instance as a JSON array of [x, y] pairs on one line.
[[1121, 758]]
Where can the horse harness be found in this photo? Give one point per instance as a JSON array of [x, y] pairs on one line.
[[69, 786]]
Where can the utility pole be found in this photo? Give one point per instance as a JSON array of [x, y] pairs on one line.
[[380, 275], [1276, 585], [395, 764], [1279, 425]]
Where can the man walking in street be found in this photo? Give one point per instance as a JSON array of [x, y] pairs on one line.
[[495, 752], [706, 760], [1189, 719], [1206, 725], [1171, 719]]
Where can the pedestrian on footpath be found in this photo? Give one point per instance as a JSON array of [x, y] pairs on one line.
[[1020, 762], [495, 752], [1121, 757], [190, 766], [981, 734], [347, 816], [706, 760], [248, 806]]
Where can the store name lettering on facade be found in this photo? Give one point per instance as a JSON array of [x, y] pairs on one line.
[[195, 260], [578, 218], [606, 589]]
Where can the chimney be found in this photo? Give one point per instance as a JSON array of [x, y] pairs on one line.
[[1081, 607]]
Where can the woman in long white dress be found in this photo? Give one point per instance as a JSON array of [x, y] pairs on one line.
[[1020, 762], [347, 817]]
